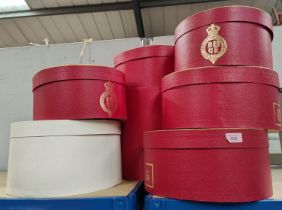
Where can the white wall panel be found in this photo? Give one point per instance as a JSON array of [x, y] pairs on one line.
[[277, 51], [164, 40]]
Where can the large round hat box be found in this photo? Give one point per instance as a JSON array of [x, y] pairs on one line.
[[145, 66], [79, 92], [144, 114], [63, 158], [221, 97], [231, 35], [216, 165]]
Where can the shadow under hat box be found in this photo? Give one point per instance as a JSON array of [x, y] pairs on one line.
[[220, 165], [79, 92], [145, 66], [231, 35], [221, 97], [63, 157]]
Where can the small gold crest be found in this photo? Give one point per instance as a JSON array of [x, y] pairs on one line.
[[214, 46], [108, 99], [149, 175], [277, 114]]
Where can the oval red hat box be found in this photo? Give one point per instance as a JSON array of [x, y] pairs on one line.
[[221, 97], [231, 35], [143, 114], [79, 92], [146, 66], [223, 165]]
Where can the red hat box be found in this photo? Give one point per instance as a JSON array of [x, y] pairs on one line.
[[145, 66], [79, 92], [144, 114], [223, 165], [221, 97], [231, 35]]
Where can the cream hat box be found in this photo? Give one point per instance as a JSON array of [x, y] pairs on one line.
[[63, 157]]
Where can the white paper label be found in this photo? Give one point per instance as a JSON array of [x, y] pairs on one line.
[[234, 137]]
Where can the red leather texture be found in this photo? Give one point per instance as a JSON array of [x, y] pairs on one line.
[[79, 92], [202, 165], [237, 26], [144, 114], [145, 66], [221, 97]]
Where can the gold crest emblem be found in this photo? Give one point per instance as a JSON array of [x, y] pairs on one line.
[[108, 99], [277, 114], [149, 175], [214, 46]]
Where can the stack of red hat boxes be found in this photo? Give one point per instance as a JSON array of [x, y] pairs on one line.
[[217, 108]]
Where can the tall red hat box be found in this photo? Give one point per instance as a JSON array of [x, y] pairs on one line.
[[144, 68]]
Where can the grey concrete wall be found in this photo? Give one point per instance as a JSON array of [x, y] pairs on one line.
[[163, 40], [277, 51], [18, 65]]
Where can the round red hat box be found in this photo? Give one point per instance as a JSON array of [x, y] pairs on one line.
[[146, 66], [223, 165], [144, 114], [79, 92], [221, 97], [231, 35]]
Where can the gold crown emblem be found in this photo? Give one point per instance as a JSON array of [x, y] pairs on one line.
[[108, 99], [213, 29], [109, 87], [214, 46]]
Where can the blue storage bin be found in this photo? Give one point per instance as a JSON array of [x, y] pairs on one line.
[[156, 203], [133, 201]]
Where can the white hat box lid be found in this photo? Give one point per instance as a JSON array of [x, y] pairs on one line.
[[63, 157]]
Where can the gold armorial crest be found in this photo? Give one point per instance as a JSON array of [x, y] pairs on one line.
[[108, 99], [277, 114], [214, 46], [149, 175]]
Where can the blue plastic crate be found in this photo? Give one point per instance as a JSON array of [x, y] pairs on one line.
[[133, 201], [172, 204]]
